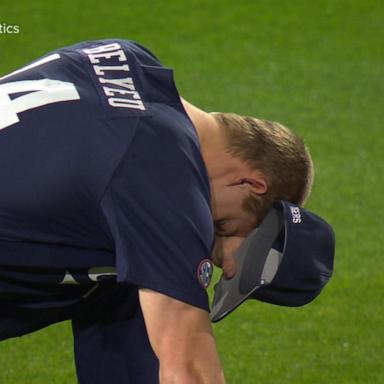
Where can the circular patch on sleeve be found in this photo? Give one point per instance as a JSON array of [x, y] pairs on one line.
[[205, 272]]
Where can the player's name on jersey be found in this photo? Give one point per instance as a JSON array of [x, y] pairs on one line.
[[108, 61]]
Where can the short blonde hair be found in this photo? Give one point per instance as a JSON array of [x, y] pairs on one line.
[[277, 152]]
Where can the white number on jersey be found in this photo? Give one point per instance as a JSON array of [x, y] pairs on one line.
[[42, 92]]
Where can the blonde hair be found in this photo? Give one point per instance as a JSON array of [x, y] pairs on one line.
[[277, 152]]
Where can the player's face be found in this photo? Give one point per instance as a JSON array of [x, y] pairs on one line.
[[230, 218]]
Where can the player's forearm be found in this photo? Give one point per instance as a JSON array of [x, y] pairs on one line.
[[191, 373], [182, 339], [193, 360], [189, 377]]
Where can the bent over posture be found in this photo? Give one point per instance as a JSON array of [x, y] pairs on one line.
[[113, 192]]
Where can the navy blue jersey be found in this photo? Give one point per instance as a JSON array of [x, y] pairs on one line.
[[101, 167]]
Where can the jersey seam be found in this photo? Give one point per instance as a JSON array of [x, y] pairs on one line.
[[108, 184]]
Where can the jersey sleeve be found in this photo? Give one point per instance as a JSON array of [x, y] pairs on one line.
[[157, 208]]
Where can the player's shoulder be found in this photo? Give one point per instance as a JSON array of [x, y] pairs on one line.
[[114, 66], [130, 47]]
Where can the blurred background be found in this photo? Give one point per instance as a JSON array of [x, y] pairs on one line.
[[316, 67]]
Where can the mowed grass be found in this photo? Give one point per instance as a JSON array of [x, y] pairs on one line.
[[316, 67]]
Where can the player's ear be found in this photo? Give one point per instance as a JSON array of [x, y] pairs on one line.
[[258, 185], [252, 179], [255, 180]]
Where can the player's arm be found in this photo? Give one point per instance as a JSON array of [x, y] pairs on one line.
[[181, 337]]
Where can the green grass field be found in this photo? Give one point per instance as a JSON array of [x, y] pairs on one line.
[[316, 67]]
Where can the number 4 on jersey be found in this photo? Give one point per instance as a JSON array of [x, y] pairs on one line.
[[41, 92]]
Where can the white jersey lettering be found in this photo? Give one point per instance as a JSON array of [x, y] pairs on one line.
[[102, 48], [107, 55], [126, 103], [112, 59], [41, 92], [125, 83]]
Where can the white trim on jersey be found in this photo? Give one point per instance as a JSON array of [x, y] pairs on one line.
[[44, 60]]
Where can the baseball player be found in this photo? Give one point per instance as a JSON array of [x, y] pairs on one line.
[[116, 195]]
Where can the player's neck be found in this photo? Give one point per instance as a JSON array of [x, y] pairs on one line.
[[206, 126], [219, 162]]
